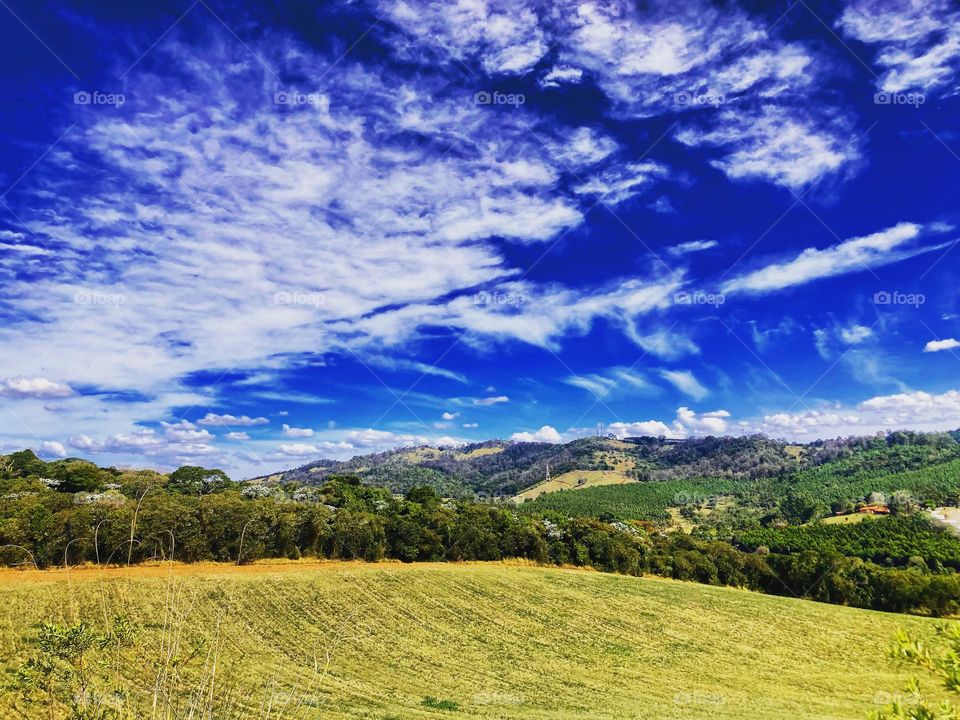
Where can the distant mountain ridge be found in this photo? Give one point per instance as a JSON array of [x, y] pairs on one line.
[[506, 468], [500, 468]]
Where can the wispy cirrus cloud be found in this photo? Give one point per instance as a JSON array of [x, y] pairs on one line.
[[601, 384], [880, 248], [686, 382], [918, 42]]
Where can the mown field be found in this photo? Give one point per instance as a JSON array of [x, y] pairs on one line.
[[391, 641], [575, 480]]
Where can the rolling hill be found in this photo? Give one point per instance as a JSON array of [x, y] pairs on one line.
[[345, 640], [506, 468]]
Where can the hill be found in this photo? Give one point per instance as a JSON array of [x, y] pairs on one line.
[[344, 640], [499, 468]]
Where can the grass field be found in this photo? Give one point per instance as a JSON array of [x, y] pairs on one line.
[[847, 519], [480, 452], [572, 481], [476, 640]]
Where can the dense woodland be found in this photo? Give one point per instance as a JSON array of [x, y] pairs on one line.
[[754, 529]]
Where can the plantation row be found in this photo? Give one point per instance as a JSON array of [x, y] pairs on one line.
[[636, 501], [893, 540], [936, 484], [822, 490]]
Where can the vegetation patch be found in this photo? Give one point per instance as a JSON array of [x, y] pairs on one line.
[[432, 702]]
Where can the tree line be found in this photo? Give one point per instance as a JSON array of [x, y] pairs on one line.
[[197, 514]]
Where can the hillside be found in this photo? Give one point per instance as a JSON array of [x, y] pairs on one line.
[[499, 468], [458, 641], [832, 469]]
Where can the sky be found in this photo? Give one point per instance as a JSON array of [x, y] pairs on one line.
[[251, 235]]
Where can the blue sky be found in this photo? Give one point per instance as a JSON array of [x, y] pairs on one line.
[[252, 235]]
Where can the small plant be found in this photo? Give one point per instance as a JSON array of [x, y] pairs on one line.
[[941, 662], [66, 670], [432, 702]]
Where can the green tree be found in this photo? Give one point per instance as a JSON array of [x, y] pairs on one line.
[[196, 480]]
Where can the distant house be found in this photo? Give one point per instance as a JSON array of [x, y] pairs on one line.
[[875, 510]]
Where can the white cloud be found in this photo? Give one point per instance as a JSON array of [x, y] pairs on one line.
[[215, 420], [297, 449], [685, 382], [640, 428], [646, 56], [447, 441], [544, 434], [295, 432], [237, 436], [450, 416], [383, 439], [185, 431], [686, 424], [779, 145], [314, 229], [855, 334], [691, 247], [471, 425], [915, 410], [561, 75], [614, 185], [668, 344], [491, 400], [939, 345], [33, 387], [858, 253], [53, 448], [546, 313], [919, 41], [505, 39], [601, 384], [179, 443]]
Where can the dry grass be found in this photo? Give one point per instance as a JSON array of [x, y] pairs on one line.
[[344, 640], [794, 451], [480, 452], [847, 519], [571, 481]]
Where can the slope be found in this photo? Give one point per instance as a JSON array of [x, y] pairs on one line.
[[478, 640]]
